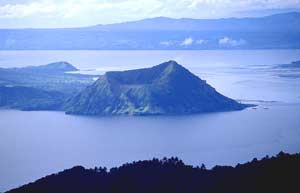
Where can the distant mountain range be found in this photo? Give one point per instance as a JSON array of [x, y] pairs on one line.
[[293, 65], [280, 31], [167, 88]]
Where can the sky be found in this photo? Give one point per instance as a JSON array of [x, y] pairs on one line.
[[77, 13]]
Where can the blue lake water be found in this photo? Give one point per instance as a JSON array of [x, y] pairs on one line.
[[34, 144]]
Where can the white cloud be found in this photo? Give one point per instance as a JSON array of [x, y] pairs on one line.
[[166, 43], [24, 10], [244, 4], [90, 12], [226, 41], [187, 41], [75, 8], [201, 41]]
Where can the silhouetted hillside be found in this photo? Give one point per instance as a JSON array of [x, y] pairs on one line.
[[275, 174]]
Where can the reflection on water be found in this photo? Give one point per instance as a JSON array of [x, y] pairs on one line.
[[33, 144]]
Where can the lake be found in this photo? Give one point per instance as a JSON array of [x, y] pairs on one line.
[[34, 144]]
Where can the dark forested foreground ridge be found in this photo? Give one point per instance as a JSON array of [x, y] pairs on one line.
[[275, 174], [280, 31]]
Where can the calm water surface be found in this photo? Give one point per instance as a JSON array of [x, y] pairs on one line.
[[34, 144]]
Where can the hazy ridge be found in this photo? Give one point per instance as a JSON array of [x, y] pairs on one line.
[[280, 31]]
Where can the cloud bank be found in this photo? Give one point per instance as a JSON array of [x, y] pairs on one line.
[[88, 12], [226, 41], [187, 41]]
